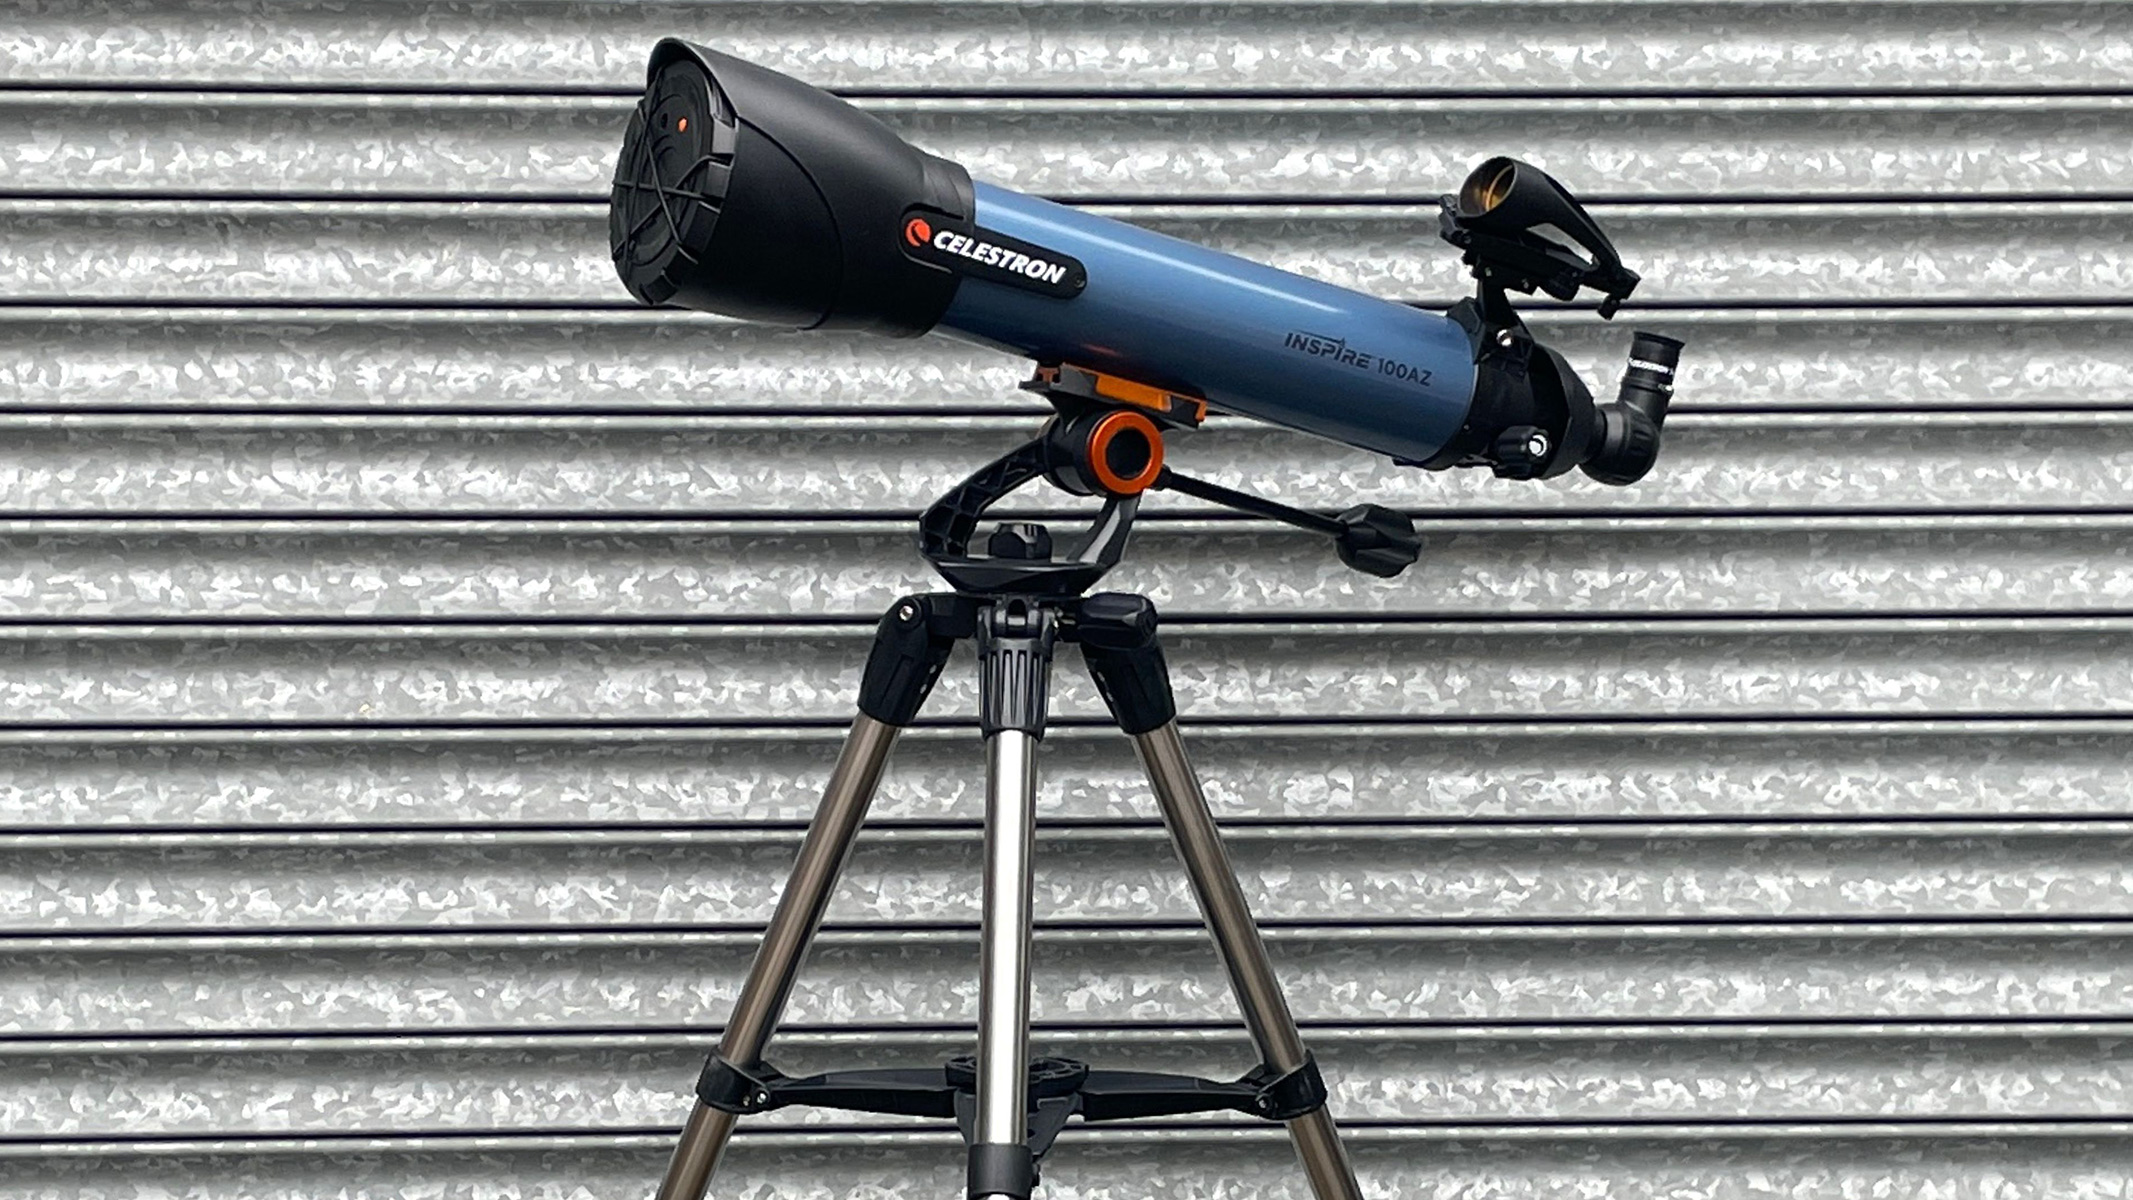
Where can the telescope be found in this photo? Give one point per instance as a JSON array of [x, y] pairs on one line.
[[743, 192], [746, 192]]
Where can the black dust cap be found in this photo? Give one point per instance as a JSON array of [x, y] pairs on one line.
[[670, 183], [746, 192]]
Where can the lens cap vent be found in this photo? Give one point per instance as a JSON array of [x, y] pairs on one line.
[[671, 181]]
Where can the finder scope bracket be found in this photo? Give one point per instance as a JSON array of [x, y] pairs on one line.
[[1502, 217], [1532, 416]]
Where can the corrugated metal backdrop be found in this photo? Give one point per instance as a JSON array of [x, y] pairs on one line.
[[418, 663]]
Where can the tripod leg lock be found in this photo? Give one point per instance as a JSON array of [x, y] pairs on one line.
[[738, 1090], [1117, 636], [911, 645], [1299, 1093]]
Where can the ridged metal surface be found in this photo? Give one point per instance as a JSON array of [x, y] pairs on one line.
[[66, 251], [246, 144], [1750, 1162], [610, 775], [334, 673], [1473, 973], [417, 663], [532, 360], [681, 568], [768, 467], [973, 45], [192, 1087], [915, 877]]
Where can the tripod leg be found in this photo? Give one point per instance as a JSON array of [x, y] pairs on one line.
[[1251, 974], [1014, 653], [1118, 639], [910, 646]]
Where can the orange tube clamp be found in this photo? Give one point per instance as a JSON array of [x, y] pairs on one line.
[[1106, 431]]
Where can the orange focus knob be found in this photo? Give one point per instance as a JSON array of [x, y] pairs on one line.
[[1124, 453]]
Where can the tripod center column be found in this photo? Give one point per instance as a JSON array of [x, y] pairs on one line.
[[1015, 640]]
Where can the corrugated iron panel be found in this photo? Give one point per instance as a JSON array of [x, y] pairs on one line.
[[1759, 831], [197, 1088], [1112, 875], [1117, 45], [1747, 1162], [207, 569], [615, 776], [533, 360], [748, 673], [1386, 973], [1708, 148], [808, 467], [484, 254]]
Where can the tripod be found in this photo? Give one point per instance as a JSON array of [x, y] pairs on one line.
[[1018, 603]]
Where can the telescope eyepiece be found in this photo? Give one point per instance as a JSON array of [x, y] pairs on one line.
[[1649, 379], [1628, 442]]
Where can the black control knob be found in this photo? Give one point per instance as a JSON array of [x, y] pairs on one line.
[[1024, 540], [1522, 452], [1377, 541]]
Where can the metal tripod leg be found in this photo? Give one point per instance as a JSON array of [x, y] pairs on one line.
[[1251, 973], [909, 649], [1014, 659], [1118, 638]]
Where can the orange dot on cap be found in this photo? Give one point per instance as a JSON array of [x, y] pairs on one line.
[[683, 127]]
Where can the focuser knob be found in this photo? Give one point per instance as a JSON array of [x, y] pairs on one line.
[[1522, 452]]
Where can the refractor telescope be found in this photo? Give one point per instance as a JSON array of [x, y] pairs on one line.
[[745, 192]]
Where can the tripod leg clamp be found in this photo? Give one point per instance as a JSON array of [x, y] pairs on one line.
[[997, 1170], [738, 1090], [1299, 1093], [911, 644], [1117, 635]]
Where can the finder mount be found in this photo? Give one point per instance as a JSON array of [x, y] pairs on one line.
[[1532, 416], [1502, 217]]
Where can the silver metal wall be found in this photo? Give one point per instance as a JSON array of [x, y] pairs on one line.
[[417, 663]]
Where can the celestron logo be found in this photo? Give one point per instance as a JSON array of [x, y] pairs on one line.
[[991, 254], [1319, 345], [970, 250]]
